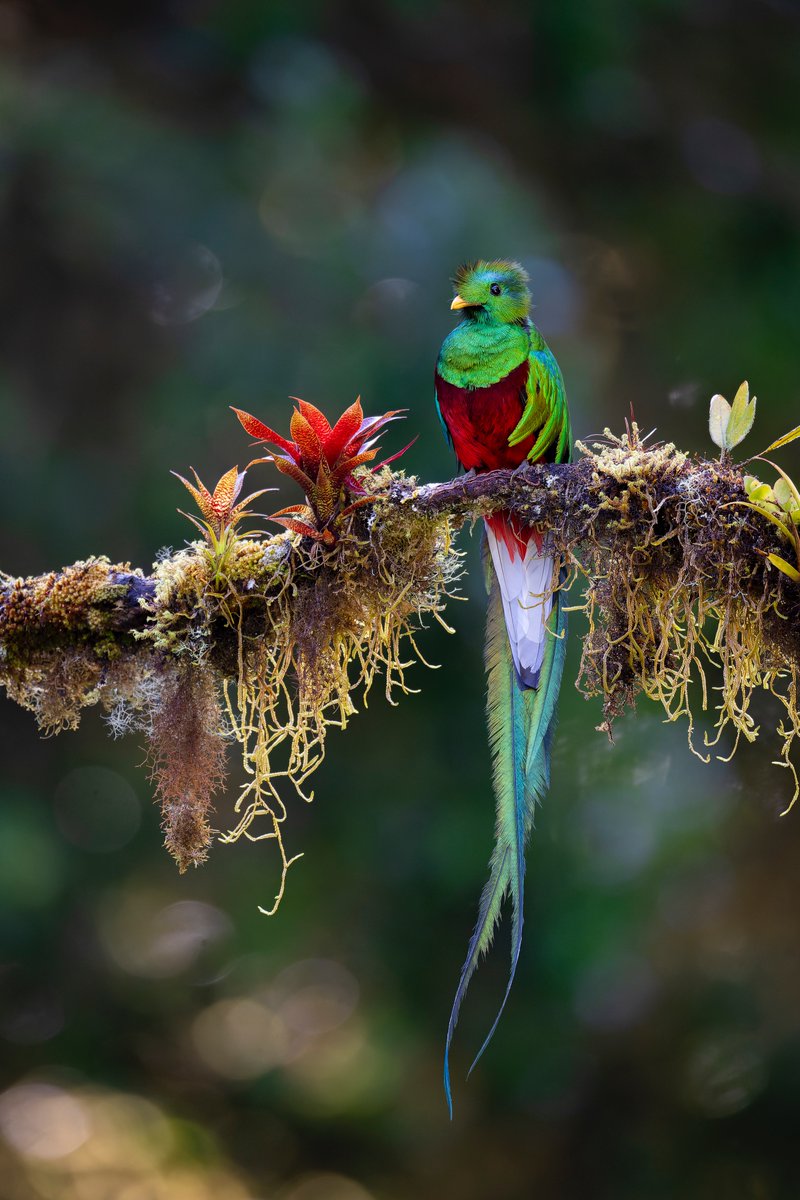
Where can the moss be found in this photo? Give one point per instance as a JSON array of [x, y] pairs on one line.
[[682, 588], [58, 637], [186, 743], [67, 606], [318, 625], [290, 635]]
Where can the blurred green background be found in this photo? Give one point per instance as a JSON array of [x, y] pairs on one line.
[[205, 204]]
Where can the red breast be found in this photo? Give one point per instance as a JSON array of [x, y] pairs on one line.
[[481, 420]]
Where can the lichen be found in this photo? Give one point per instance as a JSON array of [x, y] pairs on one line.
[[274, 642], [334, 618], [55, 640], [677, 589], [269, 646]]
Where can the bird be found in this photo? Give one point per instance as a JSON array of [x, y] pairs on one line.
[[501, 400]]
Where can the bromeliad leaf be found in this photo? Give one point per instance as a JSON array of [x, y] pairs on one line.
[[261, 432], [718, 418], [307, 441], [317, 420], [226, 491], [293, 471], [349, 424], [742, 416]]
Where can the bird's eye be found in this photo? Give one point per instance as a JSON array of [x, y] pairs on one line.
[[495, 289]]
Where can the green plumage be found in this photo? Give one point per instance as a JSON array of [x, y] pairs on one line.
[[498, 415], [521, 723], [546, 413]]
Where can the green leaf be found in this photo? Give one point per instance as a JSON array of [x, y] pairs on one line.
[[743, 414], [784, 566], [784, 495], [718, 418], [792, 436], [789, 482], [762, 493], [765, 512]]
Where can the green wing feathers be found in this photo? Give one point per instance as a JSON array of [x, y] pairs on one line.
[[545, 413]]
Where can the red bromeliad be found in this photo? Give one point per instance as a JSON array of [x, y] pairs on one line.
[[322, 458]]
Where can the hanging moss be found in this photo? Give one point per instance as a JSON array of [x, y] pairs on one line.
[[280, 639]]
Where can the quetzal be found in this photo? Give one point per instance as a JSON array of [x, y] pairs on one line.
[[501, 400]]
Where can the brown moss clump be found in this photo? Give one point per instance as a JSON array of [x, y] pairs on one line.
[[273, 642], [677, 586], [59, 636], [291, 632], [333, 619], [185, 734]]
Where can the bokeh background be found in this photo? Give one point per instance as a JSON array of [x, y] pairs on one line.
[[205, 204]]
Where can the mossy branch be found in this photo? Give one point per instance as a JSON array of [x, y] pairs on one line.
[[273, 643]]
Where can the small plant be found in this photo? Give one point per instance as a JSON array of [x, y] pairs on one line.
[[780, 504], [271, 642], [322, 459], [220, 514], [729, 424]]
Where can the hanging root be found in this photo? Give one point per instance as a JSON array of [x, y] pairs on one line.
[[270, 648], [337, 617], [680, 603], [282, 639]]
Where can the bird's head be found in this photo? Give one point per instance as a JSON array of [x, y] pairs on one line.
[[494, 291]]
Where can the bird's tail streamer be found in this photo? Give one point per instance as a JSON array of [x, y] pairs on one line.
[[521, 724]]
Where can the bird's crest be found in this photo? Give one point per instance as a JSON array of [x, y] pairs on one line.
[[493, 290], [501, 267]]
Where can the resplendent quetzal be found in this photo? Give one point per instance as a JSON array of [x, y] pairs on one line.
[[501, 400]]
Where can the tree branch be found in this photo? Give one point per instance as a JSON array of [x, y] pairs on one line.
[[270, 638]]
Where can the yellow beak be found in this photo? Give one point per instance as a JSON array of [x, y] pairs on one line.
[[459, 303]]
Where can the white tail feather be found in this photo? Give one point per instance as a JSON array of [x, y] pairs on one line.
[[526, 585]]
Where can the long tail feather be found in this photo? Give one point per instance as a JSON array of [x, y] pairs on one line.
[[521, 722]]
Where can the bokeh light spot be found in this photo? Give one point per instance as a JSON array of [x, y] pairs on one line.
[[239, 1038], [96, 809], [315, 996], [722, 157], [189, 289], [344, 1071], [327, 1187], [30, 861], [42, 1121], [724, 1075], [146, 937]]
